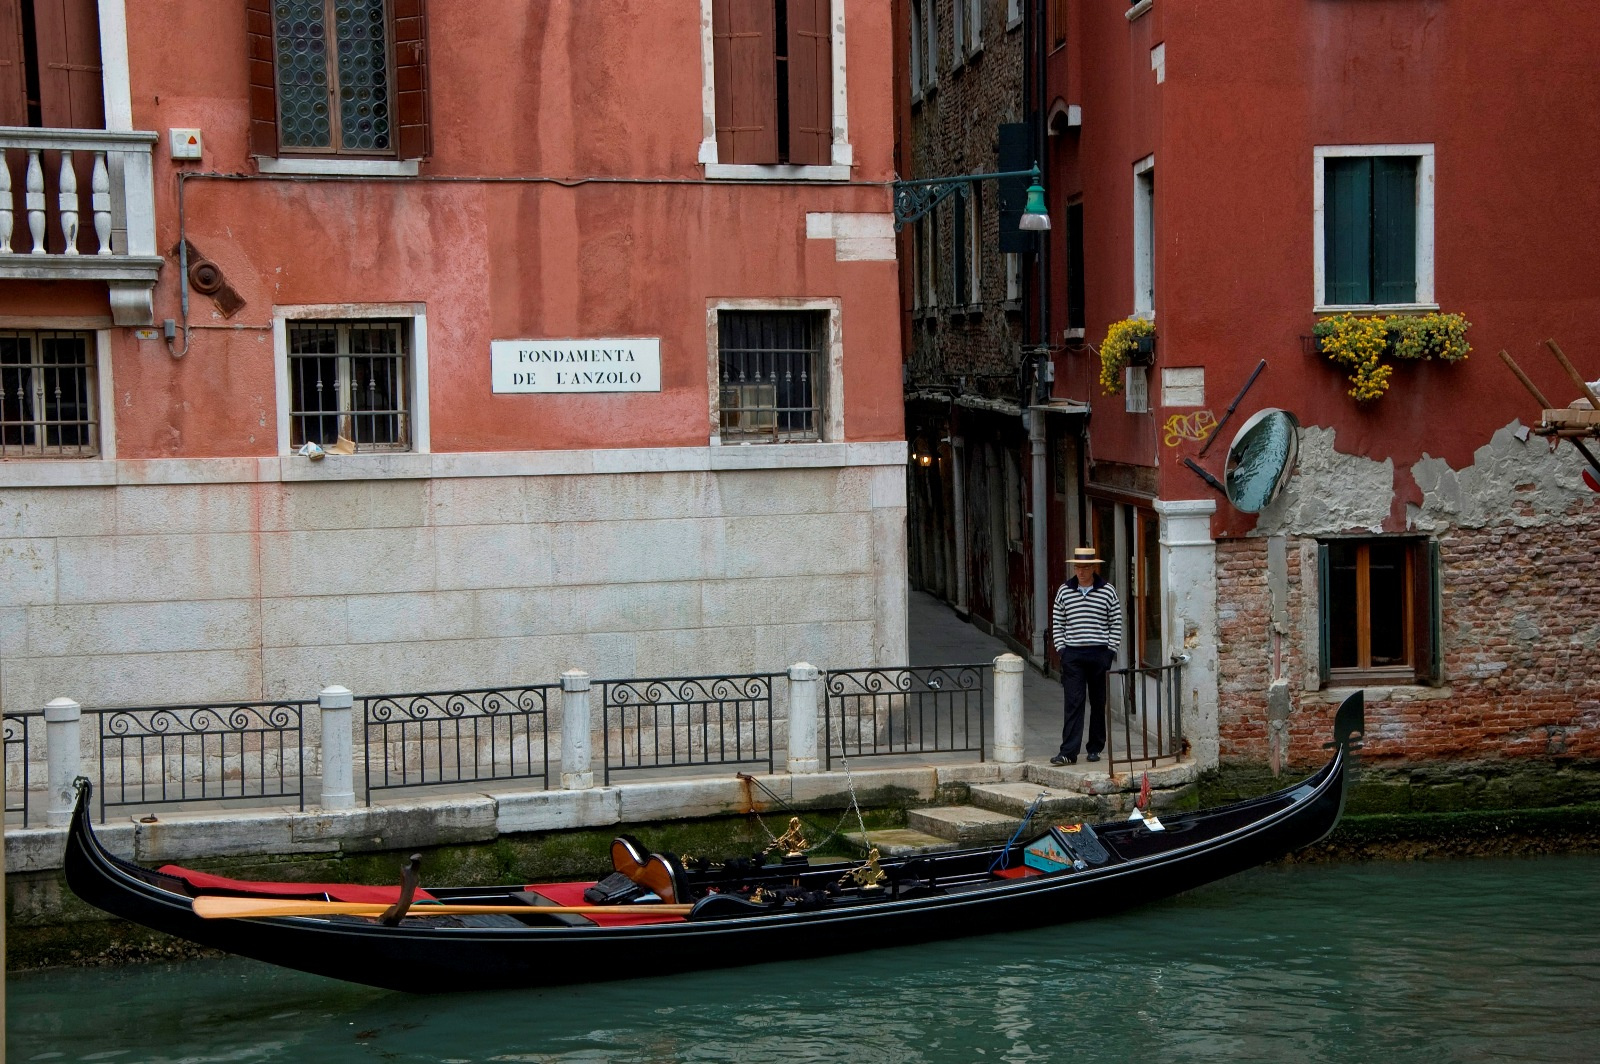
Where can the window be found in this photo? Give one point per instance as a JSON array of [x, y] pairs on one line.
[[916, 50], [958, 27], [348, 381], [975, 26], [773, 72], [50, 65], [1058, 23], [1144, 237], [1013, 277], [928, 260], [930, 49], [1379, 610], [1013, 14], [338, 77], [1076, 314], [1374, 226], [48, 406], [771, 369], [960, 249]]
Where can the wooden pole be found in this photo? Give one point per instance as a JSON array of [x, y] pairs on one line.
[[1583, 385], [1544, 404]]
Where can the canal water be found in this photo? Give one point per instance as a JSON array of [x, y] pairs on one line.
[[1483, 960]]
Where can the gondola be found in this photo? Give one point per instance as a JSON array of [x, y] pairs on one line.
[[427, 940]]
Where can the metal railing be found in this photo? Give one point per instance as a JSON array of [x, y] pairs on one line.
[[911, 710], [686, 720], [18, 730], [161, 755], [1151, 725], [425, 739]]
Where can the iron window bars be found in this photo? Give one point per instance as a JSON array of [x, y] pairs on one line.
[[349, 380], [47, 396]]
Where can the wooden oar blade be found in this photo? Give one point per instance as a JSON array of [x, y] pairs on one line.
[[226, 908]]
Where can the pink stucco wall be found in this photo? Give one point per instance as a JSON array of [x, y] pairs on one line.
[[563, 199]]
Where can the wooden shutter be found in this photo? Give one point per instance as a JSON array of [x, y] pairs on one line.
[[958, 248], [810, 83], [259, 50], [1394, 229], [1427, 626], [1016, 153], [745, 68], [411, 78], [1324, 614], [1347, 230], [13, 75], [67, 35]]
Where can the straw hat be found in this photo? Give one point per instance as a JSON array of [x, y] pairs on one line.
[[1085, 556]]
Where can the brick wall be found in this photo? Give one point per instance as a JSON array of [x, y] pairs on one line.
[[1521, 653]]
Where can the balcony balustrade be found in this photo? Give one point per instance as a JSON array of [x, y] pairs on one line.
[[79, 204]]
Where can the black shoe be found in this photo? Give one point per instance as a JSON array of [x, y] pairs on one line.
[[1062, 760], [1094, 757]]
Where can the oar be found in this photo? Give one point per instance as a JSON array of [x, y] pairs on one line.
[[222, 908]]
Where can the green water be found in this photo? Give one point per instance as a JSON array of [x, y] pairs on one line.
[[1441, 961]]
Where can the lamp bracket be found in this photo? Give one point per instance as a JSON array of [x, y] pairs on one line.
[[913, 199]]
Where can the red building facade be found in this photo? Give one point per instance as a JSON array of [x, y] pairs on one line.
[[1235, 174]]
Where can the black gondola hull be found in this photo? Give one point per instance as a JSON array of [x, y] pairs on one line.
[[419, 955]]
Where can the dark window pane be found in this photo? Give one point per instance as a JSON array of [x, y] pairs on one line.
[[769, 363], [1386, 590], [1343, 622], [1347, 230]]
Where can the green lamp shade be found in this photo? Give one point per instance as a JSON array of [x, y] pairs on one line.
[[1034, 215]]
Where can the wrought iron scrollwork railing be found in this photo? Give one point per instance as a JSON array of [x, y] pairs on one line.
[[1150, 727], [910, 710], [426, 739], [18, 729], [162, 755], [687, 720]]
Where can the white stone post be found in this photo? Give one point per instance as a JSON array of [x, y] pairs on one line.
[[1008, 709], [338, 747], [62, 736], [1189, 578], [805, 694], [577, 771]]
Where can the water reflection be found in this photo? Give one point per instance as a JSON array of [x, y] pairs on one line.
[[1459, 961]]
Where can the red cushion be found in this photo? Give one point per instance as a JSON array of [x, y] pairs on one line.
[[572, 894], [1019, 872], [202, 881]]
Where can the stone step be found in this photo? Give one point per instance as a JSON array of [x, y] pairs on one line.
[[1014, 799], [902, 842], [965, 825]]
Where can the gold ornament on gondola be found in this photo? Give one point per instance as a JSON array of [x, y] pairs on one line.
[[869, 876], [791, 842]]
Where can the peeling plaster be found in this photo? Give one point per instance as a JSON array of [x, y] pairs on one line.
[[1330, 492], [1523, 483]]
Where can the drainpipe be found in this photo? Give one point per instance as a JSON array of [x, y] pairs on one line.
[[958, 472], [1036, 435]]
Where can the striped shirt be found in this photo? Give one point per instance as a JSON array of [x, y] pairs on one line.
[[1087, 618]]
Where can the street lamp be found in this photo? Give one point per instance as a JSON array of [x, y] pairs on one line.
[[913, 199]]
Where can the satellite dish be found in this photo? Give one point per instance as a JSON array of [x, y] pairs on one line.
[[1261, 458]]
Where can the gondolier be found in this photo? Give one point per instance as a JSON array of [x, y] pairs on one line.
[[1086, 622]]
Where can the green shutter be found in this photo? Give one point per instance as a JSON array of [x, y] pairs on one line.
[[1324, 612], [1347, 230], [1394, 229]]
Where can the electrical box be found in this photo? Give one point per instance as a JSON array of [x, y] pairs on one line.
[[185, 143]]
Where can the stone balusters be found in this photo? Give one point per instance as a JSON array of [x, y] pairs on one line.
[[100, 202], [67, 200], [35, 200], [7, 215]]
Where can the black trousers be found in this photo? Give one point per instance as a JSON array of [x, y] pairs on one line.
[[1083, 672]]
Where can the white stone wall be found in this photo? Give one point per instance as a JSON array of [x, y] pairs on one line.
[[131, 592]]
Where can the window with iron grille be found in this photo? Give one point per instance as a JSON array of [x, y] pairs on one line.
[[770, 364], [48, 407], [349, 380]]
